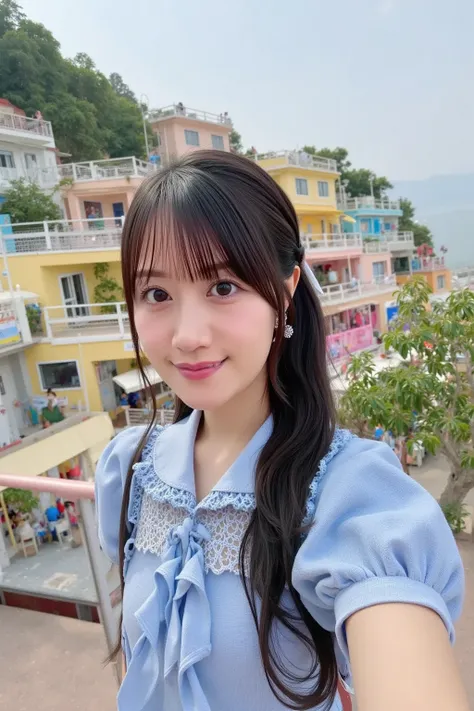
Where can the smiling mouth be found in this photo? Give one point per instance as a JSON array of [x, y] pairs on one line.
[[198, 371]]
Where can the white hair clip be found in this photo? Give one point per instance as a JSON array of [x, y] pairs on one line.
[[311, 277]]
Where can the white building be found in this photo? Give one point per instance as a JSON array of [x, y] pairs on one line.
[[27, 149]]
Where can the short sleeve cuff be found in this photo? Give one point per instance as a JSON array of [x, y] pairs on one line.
[[377, 591]]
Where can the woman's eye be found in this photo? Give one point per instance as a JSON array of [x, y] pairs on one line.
[[155, 296], [224, 288]]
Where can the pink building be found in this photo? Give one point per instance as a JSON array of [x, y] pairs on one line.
[[180, 129], [358, 287]]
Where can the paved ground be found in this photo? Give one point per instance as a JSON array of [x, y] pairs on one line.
[[51, 663]]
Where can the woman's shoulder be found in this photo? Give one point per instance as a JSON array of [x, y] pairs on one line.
[[110, 476]]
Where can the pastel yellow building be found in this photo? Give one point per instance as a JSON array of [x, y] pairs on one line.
[[310, 183]]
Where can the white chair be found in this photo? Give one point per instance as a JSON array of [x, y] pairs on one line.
[[28, 538], [63, 530]]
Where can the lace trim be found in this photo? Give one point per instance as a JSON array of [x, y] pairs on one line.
[[217, 500], [226, 528], [340, 440]]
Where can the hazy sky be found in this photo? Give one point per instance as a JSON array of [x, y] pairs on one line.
[[391, 80]]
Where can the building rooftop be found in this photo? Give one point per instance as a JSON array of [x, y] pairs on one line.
[[181, 111], [274, 160]]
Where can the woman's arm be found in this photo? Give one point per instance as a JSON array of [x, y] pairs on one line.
[[401, 658]]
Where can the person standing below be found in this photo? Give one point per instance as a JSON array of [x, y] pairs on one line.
[[52, 413]]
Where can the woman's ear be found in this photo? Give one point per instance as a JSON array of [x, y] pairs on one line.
[[292, 281]]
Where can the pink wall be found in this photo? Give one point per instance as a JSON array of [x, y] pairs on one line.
[[173, 141], [338, 344], [76, 202], [367, 260]]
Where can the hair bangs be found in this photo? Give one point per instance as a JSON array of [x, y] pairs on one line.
[[188, 232]]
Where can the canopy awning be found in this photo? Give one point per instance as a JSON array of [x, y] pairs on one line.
[[132, 381], [348, 218]]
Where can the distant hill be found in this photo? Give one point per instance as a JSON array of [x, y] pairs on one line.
[[446, 204]]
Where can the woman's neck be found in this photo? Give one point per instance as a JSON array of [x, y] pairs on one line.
[[239, 419]]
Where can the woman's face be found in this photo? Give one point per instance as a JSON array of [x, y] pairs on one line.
[[209, 340]]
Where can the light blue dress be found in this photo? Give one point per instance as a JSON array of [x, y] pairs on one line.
[[188, 636]]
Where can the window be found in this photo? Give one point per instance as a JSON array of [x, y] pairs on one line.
[[192, 138], [301, 186], [60, 375], [6, 159], [323, 188], [30, 160], [378, 269], [217, 142], [440, 281], [323, 227]]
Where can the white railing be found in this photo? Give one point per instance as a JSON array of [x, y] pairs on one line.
[[86, 322], [406, 237], [369, 202], [350, 291], [375, 247], [62, 235], [427, 264], [196, 114], [463, 278], [339, 242], [136, 416], [297, 158], [44, 177], [15, 122], [112, 168]]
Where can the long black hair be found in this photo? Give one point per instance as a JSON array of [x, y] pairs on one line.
[[211, 205]]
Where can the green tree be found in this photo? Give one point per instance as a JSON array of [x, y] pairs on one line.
[[407, 223], [11, 15], [90, 119], [340, 155], [235, 140], [431, 397], [107, 289], [26, 202], [20, 500], [358, 181], [120, 88]]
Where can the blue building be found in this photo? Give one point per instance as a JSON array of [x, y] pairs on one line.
[[372, 217]]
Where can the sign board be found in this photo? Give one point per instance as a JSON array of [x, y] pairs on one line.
[[9, 332]]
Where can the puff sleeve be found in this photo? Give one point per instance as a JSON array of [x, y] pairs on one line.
[[377, 537], [110, 478]]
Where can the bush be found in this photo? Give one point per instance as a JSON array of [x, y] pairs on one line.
[[455, 515]]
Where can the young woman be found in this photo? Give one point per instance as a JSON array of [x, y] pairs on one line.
[[262, 548]]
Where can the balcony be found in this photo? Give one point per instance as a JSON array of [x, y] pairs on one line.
[[28, 131], [390, 242], [112, 169], [44, 177], [316, 244], [354, 291], [428, 264], [463, 278], [274, 160], [85, 323], [368, 203], [62, 235]]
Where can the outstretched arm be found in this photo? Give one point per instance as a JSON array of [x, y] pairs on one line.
[[401, 658]]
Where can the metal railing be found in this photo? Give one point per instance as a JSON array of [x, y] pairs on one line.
[[350, 291], [142, 416], [112, 168], [62, 235], [369, 202], [15, 122], [88, 322], [296, 158], [185, 112], [340, 242]]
